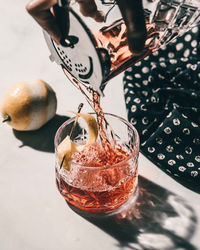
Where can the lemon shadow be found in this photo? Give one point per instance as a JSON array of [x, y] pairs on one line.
[[158, 219], [43, 138]]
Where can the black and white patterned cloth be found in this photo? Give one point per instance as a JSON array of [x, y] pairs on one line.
[[162, 95]]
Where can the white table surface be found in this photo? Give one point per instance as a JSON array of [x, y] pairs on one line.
[[33, 215]]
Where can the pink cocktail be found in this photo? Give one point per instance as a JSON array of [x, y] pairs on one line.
[[100, 179]]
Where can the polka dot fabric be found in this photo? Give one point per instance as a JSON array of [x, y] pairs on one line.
[[162, 95]]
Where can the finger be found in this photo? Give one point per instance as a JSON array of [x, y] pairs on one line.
[[133, 15], [40, 11], [88, 8], [62, 19]]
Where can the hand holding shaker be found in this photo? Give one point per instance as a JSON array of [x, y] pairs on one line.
[[98, 51]]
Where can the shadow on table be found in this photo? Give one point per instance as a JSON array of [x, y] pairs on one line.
[[158, 219], [43, 138]]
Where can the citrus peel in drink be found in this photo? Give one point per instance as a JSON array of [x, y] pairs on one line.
[[67, 147], [65, 150], [92, 128]]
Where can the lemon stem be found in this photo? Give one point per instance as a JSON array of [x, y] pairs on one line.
[[7, 119], [76, 119], [62, 161]]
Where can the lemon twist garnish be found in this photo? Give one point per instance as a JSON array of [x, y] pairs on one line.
[[65, 150], [67, 147], [92, 128]]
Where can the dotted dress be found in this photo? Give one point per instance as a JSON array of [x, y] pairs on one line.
[[162, 96]]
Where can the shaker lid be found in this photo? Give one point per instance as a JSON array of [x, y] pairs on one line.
[[82, 60]]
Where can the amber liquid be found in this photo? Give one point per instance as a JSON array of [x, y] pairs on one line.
[[113, 38], [98, 201], [100, 190]]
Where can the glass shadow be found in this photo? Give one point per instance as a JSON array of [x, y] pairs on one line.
[[157, 219]]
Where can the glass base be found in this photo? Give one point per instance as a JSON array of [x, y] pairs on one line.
[[122, 208]]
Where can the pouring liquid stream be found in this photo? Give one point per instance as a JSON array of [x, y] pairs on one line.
[[112, 152]]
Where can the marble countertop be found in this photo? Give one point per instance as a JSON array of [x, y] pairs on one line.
[[33, 215]]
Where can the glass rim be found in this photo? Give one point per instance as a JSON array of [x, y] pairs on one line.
[[78, 165]]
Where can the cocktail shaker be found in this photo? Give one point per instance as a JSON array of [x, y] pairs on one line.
[[98, 51]]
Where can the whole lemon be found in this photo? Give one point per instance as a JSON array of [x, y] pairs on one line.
[[28, 105]]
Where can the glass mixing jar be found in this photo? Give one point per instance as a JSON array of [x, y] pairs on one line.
[[98, 51]]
